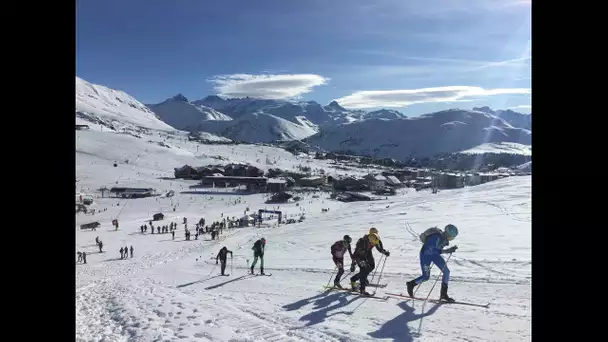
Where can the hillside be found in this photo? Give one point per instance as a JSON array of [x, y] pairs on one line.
[[99, 103], [515, 119], [262, 127], [504, 147], [182, 114], [446, 131]]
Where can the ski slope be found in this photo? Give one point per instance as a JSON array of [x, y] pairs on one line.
[[504, 147], [164, 293]]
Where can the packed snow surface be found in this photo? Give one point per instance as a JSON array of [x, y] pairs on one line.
[[171, 289]]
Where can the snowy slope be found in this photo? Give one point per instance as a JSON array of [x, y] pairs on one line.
[[100, 102], [171, 290], [526, 167], [514, 118], [504, 147], [261, 127], [181, 114], [446, 131], [385, 114]]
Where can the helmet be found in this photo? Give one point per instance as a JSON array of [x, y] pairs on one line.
[[373, 238], [373, 230], [263, 240], [347, 239], [451, 231]]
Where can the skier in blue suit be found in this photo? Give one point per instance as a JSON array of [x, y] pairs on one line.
[[434, 241]]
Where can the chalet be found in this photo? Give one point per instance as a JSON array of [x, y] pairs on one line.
[[186, 172], [377, 182], [313, 181], [450, 181], [393, 181], [473, 179], [350, 183], [132, 192], [276, 185]]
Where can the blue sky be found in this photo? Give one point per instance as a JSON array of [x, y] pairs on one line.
[[416, 56]]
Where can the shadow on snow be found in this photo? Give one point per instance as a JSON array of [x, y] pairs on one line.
[[397, 328]]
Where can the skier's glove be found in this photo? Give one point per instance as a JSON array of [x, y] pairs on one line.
[[451, 249], [362, 264], [387, 253], [352, 268]]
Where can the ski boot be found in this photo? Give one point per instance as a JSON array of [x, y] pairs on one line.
[[353, 285], [337, 285], [363, 292], [252, 270], [411, 285], [444, 294], [262, 271]]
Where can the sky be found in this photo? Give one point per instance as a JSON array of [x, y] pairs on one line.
[[415, 56]]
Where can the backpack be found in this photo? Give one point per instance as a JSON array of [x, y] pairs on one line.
[[429, 232], [337, 246]]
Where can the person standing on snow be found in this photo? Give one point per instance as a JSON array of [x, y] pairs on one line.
[[122, 255], [365, 259], [131, 250], [79, 257], [173, 235], [222, 255], [337, 252], [434, 241], [84, 257], [100, 246], [258, 252]]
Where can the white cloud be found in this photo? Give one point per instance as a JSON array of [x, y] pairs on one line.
[[267, 86], [406, 97]]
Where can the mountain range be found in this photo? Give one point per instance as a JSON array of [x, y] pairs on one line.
[[381, 133]]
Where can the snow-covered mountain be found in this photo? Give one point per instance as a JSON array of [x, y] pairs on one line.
[[332, 114], [516, 119], [182, 114], [384, 114], [446, 131], [97, 103], [261, 127]]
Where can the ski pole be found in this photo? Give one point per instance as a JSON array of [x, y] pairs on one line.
[[376, 270], [231, 264], [380, 275], [417, 287], [331, 276], [427, 296]]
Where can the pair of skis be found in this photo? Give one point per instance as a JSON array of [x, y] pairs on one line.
[[395, 295], [372, 295], [439, 301]]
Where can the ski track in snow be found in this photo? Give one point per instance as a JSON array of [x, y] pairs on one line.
[[164, 293]]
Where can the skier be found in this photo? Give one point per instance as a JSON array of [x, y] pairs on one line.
[[434, 241], [365, 259], [337, 252], [97, 240], [122, 253], [100, 246], [222, 255], [131, 250], [84, 257], [173, 235], [79, 257], [258, 252]]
